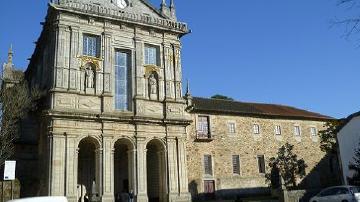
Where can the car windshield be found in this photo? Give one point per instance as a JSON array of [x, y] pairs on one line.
[[355, 189]]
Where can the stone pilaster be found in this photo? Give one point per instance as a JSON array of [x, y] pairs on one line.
[[139, 68], [132, 170], [74, 64], [108, 170], [183, 175], [71, 168], [62, 56], [57, 177], [141, 171], [108, 62], [172, 168], [169, 71]]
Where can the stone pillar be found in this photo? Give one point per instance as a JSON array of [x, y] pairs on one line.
[[139, 68], [108, 172], [57, 176], [141, 171], [74, 64], [99, 171], [183, 175], [71, 168], [172, 168], [132, 170]]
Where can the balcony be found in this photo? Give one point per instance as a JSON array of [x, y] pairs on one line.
[[203, 137]]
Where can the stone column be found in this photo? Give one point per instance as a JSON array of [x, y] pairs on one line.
[[71, 168], [108, 170], [57, 176], [172, 168], [141, 171]]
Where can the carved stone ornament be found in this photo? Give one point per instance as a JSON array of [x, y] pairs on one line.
[[88, 59], [150, 69]]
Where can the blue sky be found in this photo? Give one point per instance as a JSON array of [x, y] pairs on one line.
[[279, 51]]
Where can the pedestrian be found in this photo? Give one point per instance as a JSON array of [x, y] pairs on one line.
[[131, 195]]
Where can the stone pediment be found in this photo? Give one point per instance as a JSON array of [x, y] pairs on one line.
[[137, 11]]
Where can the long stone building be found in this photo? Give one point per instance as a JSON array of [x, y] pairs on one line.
[[115, 120]]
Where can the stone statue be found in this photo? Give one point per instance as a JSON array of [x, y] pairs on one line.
[[89, 76], [153, 87]]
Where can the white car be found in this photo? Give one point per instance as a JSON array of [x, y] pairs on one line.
[[42, 199], [338, 194]]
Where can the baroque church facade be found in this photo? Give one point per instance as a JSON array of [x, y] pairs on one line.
[[115, 120]]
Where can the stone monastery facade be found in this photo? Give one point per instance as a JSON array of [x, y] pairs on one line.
[[115, 120]]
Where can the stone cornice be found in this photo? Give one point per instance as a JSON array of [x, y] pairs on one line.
[[136, 18]]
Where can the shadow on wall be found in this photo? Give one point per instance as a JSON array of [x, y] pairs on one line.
[[326, 173], [228, 194]]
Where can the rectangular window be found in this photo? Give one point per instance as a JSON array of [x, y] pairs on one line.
[[122, 83], [313, 131], [208, 165], [297, 131], [91, 45], [256, 129], [277, 130], [151, 55], [261, 163], [209, 189], [203, 126], [236, 164], [232, 127]]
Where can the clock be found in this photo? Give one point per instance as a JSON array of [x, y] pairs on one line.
[[121, 3]]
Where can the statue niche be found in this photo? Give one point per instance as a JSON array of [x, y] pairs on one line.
[[153, 86], [89, 78]]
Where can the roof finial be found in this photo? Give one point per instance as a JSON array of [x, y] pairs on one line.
[[172, 4], [10, 55], [188, 93], [163, 3]]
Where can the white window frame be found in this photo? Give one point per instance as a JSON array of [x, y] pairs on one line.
[[198, 122], [311, 131], [256, 129], [278, 130], [295, 131], [229, 124]]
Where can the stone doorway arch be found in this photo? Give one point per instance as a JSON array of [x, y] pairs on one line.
[[156, 171], [88, 169], [124, 168]]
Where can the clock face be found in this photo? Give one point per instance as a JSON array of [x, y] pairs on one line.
[[121, 3]]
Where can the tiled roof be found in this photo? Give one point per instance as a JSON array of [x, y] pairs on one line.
[[255, 109]]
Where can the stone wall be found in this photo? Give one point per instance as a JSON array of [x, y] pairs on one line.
[[248, 145]]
